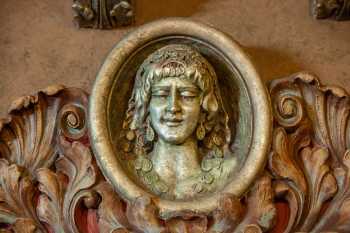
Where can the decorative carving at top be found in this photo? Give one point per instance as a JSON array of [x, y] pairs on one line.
[[103, 14], [334, 9]]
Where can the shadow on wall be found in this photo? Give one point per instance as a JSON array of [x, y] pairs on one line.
[[148, 10], [273, 64]]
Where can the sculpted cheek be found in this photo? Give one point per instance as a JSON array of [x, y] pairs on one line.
[[192, 112]]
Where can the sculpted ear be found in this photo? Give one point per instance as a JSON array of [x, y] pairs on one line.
[[210, 103]]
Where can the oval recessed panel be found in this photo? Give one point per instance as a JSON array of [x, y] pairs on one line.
[[243, 95]]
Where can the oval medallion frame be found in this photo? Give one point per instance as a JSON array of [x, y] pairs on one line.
[[100, 114]]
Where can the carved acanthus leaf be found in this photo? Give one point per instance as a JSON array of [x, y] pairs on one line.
[[228, 215], [143, 215], [291, 182], [322, 183], [112, 217], [261, 211], [25, 226], [60, 198], [44, 141], [196, 225], [28, 143], [342, 218], [28, 136], [320, 163], [336, 217], [17, 198]]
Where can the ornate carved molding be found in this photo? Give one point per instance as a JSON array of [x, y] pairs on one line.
[[229, 148], [50, 180], [103, 14], [310, 153], [330, 9]]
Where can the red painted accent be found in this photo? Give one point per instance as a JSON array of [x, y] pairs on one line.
[[86, 220], [282, 217], [92, 221]]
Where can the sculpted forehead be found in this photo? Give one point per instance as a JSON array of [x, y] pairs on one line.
[[177, 81]]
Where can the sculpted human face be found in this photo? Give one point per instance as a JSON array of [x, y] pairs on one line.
[[175, 109]]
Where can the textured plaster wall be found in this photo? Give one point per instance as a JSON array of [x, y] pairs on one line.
[[40, 46]]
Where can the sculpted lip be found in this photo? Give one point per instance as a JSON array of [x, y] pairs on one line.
[[172, 122]]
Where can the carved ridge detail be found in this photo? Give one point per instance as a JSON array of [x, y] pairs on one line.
[[103, 14], [309, 157], [330, 9], [50, 181]]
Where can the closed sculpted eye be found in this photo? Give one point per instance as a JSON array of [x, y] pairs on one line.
[[188, 95], [160, 93], [185, 93]]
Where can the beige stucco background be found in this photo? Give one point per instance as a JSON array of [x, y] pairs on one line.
[[39, 45]]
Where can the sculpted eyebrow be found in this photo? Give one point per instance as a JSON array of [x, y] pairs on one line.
[[158, 89], [193, 89]]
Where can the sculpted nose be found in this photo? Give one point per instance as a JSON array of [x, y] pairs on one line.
[[173, 105]]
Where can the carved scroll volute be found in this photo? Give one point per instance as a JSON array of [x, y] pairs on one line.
[[49, 176], [50, 182], [29, 135], [30, 147], [48, 173], [309, 157]]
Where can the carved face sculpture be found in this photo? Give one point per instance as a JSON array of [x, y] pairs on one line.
[[175, 117], [175, 109], [197, 121]]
